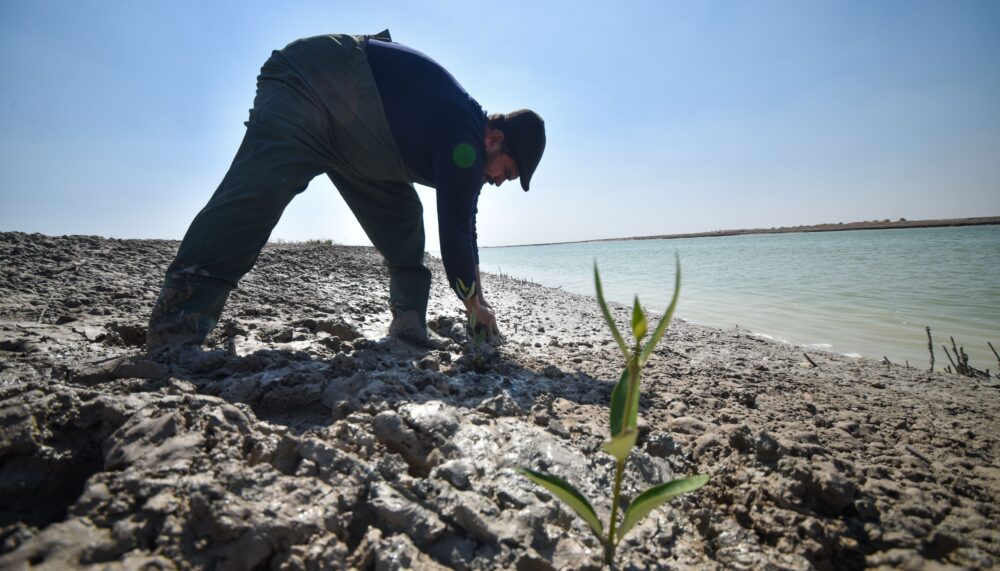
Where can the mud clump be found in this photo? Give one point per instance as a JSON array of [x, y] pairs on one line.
[[51, 445], [300, 437]]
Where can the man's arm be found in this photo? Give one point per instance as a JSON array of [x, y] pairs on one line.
[[459, 176], [479, 290], [484, 309]]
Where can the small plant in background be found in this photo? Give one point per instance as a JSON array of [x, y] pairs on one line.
[[960, 360], [624, 431]]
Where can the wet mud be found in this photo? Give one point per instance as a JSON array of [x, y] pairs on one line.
[[300, 437]]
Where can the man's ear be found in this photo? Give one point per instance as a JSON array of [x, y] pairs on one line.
[[494, 139]]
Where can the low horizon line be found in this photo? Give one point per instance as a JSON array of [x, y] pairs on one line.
[[884, 224]]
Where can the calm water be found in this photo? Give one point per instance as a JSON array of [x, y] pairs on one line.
[[863, 292]]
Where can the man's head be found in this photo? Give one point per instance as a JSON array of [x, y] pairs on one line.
[[514, 145]]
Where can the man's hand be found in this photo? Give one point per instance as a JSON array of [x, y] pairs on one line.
[[484, 303], [484, 317]]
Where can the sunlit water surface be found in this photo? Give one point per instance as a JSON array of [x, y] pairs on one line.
[[862, 292]]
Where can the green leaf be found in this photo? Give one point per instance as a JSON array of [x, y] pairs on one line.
[[564, 491], [661, 328], [620, 446], [632, 404], [638, 321], [467, 292], [655, 497], [607, 315], [625, 411], [618, 396]]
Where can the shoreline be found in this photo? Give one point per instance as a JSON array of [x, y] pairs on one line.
[[301, 437], [855, 308], [830, 227]]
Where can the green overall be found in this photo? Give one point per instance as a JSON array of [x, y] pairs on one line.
[[317, 110]]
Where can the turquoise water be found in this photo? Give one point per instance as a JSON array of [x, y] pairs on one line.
[[861, 292]]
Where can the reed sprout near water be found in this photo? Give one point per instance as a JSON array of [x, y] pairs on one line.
[[508, 280], [624, 431]]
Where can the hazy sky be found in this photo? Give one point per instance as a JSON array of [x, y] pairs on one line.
[[119, 118]]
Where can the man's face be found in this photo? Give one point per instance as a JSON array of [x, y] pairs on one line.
[[500, 167]]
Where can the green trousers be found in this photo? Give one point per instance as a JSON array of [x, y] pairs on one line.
[[317, 110]]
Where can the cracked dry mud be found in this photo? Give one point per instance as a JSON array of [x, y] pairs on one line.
[[300, 438]]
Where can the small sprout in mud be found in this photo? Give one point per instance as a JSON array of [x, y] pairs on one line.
[[624, 430], [476, 333]]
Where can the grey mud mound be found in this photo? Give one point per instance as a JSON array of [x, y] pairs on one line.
[[300, 438]]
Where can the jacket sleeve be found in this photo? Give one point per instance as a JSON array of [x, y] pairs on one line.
[[459, 165]]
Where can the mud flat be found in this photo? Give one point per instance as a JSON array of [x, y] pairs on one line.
[[301, 438]]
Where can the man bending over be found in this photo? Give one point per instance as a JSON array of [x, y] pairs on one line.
[[376, 117]]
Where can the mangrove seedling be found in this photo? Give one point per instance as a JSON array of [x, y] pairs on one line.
[[476, 333], [623, 429]]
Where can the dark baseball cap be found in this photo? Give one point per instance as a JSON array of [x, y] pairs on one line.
[[524, 134]]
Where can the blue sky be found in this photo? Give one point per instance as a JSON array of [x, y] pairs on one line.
[[119, 118]]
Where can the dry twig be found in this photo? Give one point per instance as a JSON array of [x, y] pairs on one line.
[[917, 453], [930, 347], [961, 361], [46, 308]]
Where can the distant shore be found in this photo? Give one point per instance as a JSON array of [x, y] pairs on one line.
[[831, 227]]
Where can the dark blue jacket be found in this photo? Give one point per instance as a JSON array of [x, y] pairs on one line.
[[439, 130]]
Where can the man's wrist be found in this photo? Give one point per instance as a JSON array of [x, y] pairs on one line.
[[471, 304]]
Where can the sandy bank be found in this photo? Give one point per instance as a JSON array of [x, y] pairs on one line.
[[299, 438]]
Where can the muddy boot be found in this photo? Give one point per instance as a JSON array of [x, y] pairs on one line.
[[161, 342], [185, 312], [407, 326]]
